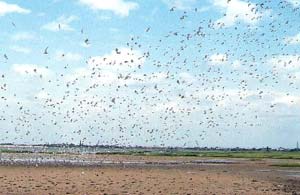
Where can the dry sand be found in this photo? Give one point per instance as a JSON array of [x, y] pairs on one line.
[[245, 177]]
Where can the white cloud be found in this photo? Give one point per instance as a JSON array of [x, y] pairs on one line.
[[236, 64], [61, 23], [42, 95], [236, 10], [121, 60], [67, 56], [22, 36], [187, 77], [295, 3], [20, 49], [286, 100], [30, 70], [218, 59], [6, 8], [138, 78], [119, 7], [108, 68], [285, 62], [293, 40], [180, 4]]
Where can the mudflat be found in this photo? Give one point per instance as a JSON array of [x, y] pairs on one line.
[[240, 176]]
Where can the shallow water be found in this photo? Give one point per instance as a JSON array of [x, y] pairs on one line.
[[289, 171], [264, 170], [297, 175], [39, 159]]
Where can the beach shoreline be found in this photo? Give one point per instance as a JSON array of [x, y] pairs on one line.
[[147, 175]]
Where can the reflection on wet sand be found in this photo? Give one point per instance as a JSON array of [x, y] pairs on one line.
[[123, 174]]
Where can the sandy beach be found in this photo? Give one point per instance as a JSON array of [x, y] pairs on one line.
[[237, 177]]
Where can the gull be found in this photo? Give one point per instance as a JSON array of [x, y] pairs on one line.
[[46, 51]]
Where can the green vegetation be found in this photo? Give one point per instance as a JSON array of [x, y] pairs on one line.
[[14, 151], [290, 165], [248, 154], [253, 155]]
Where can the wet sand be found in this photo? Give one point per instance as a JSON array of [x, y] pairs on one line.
[[240, 177]]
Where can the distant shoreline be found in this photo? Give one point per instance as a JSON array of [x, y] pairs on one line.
[[167, 152], [149, 148]]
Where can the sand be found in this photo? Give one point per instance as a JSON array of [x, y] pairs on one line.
[[245, 177]]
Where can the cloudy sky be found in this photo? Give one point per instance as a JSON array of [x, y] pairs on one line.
[[155, 73]]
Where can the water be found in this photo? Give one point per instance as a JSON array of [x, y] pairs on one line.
[[86, 156]]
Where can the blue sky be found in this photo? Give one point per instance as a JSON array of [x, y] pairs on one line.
[[218, 73]]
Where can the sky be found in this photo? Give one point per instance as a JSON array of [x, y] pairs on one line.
[[188, 73]]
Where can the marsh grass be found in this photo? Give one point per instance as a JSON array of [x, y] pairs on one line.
[[252, 155], [288, 165]]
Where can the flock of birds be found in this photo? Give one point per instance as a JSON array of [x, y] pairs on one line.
[[178, 89]]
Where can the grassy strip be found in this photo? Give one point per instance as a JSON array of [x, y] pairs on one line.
[[287, 165], [14, 151], [222, 154], [255, 155]]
